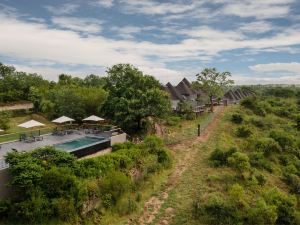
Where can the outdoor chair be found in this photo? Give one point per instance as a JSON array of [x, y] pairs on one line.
[[29, 140], [38, 138], [23, 137]]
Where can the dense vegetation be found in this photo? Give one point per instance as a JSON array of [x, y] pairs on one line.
[[52, 185], [125, 95], [263, 152]]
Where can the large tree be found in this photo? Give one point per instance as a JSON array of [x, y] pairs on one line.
[[133, 97], [213, 83]]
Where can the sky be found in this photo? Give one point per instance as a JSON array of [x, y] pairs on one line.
[[257, 41]]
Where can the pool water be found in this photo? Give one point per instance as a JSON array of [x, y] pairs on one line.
[[78, 143]]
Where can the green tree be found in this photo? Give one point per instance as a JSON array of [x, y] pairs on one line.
[[185, 109], [133, 97], [4, 120], [213, 83]]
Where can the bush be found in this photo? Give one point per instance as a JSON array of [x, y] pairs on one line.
[[257, 160], [185, 110], [115, 184], [260, 123], [249, 102], [284, 140], [267, 146], [4, 120], [261, 214], [285, 205], [243, 132], [216, 211], [172, 120], [239, 161], [125, 145], [63, 208], [237, 118], [4, 208], [126, 206], [219, 157]]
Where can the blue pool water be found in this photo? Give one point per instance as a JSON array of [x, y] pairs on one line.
[[79, 143]]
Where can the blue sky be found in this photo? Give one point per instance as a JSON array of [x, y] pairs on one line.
[[257, 41]]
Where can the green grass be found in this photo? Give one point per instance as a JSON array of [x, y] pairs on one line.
[[14, 132]]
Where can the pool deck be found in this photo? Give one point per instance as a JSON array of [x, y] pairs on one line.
[[48, 140]]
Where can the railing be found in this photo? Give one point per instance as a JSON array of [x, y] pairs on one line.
[[16, 136]]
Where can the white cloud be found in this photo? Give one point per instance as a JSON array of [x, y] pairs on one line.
[[157, 8], [248, 79], [88, 25], [293, 67], [256, 27], [66, 8], [256, 8], [127, 32], [104, 3]]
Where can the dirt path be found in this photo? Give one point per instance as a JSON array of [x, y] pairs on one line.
[[153, 205]]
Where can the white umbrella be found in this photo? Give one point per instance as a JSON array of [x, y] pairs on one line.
[[30, 124], [62, 119], [93, 118]]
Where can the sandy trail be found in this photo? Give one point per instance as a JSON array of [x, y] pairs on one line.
[[153, 205]]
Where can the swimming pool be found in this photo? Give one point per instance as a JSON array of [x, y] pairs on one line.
[[84, 146]]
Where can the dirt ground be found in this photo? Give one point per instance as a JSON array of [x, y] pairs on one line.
[[154, 204]]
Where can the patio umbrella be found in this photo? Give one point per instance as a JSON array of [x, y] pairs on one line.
[[63, 119], [31, 124], [93, 118]]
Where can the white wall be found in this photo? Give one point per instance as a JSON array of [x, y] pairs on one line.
[[120, 138]]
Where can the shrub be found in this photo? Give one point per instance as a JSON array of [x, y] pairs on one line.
[[215, 210], [219, 157], [285, 205], [125, 145], [237, 118], [297, 119], [261, 214], [257, 160], [260, 123], [243, 132], [185, 110], [284, 140], [4, 120], [64, 209], [239, 161], [172, 120], [4, 208], [126, 206], [268, 146], [249, 102], [115, 184]]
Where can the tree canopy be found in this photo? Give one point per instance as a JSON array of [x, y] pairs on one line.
[[213, 83], [133, 97]]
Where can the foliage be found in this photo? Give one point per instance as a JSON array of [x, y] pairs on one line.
[[133, 97], [185, 110], [285, 140], [51, 184], [4, 120], [115, 184], [237, 118], [268, 146], [243, 131], [220, 158], [213, 83], [239, 161]]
